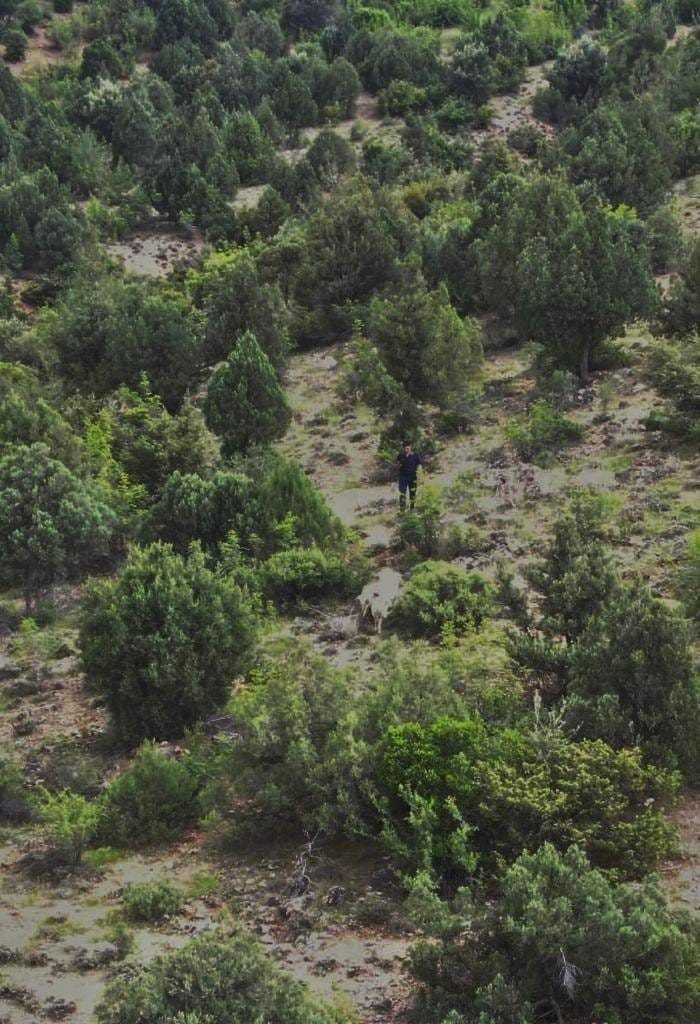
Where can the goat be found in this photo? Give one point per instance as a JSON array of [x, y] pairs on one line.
[[379, 595]]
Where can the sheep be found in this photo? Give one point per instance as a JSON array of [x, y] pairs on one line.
[[379, 595]]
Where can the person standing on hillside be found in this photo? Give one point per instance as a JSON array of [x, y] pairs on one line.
[[408, 462]]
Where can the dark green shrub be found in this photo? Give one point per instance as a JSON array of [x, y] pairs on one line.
[[306, 573], [439, 598], [633, 679], [674, 368], [163, 641], [245, 404], [456, 793], [217, 978], [152, 801], [560, 935], [541, 432], [291, 761], [421, 528], [16, 43], [400, 97], [150, 901]]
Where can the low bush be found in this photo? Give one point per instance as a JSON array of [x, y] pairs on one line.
[[421, 527], [69, 823], [151, 901], [563, 942], [290, 763], [538, 434], [194, 630], [152, 801], [215, 978], [674, 368], [456, 793], [306, 573], [440, 598]]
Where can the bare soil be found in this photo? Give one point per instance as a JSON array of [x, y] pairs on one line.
[[155, 252]]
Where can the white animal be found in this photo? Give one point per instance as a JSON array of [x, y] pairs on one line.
[[379, 595]]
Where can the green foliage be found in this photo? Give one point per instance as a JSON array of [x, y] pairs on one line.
[[16, 42], [269, 503], [148, 443], [113, 331], [353, 245], [633, 680], [194, 632], [455, 794], [307, 574], [542, 431], [562, 935], [52, 524], [245, 404], [69, 823], [28, 416], [674, 367], [332, 158], [292, 762], [442, 600], [575, 576], [216, 978], [425, 345], [680, 312], [421, 527], [151, 901], [236, 299], [576, 272], [152, 801], [364, 377]]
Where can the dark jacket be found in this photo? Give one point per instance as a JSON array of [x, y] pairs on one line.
[[408, 465]]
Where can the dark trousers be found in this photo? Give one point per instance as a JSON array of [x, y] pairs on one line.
[[410, 484]]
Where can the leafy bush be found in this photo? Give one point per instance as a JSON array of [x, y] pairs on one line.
[[16, 42], [633, 679], [400, 97], [421, 527], [163, 641], [440, 598], [541, 432], [69, 823], [288, 764], [152, 801], [675, 370], [150, 901], [364, 377], [215, 978], [305, 573], [563, 935], [455, 793]]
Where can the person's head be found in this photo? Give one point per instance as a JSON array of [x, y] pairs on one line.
[[407, 446]]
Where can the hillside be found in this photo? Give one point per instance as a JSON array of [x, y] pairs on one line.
[[248, 250]]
